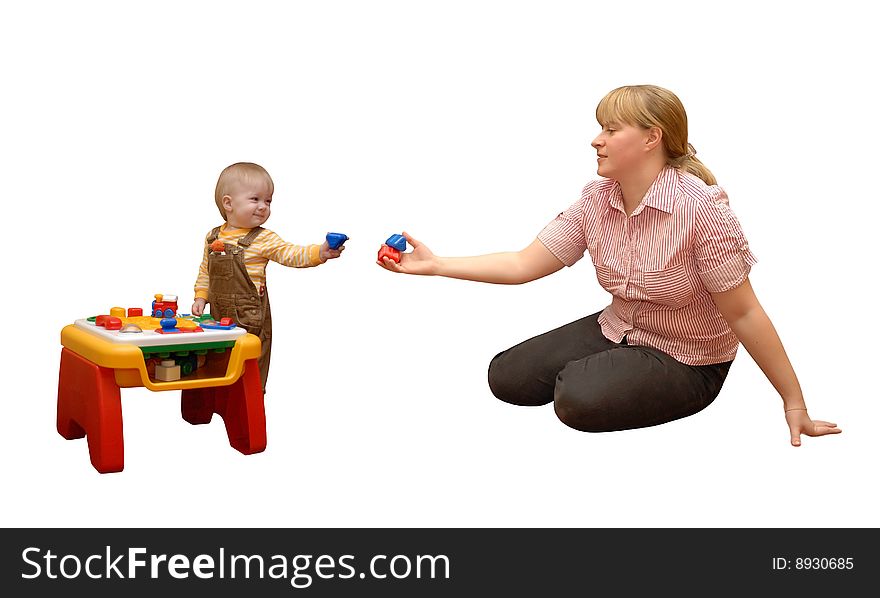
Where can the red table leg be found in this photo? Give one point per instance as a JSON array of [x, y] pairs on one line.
[[89, 405], [239, 404], [197, 405]]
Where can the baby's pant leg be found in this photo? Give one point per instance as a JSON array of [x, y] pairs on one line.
[[265, 354]]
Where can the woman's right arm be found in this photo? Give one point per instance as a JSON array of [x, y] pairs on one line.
[[512, 267]]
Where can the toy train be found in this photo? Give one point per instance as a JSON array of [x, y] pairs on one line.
[[164, 306]]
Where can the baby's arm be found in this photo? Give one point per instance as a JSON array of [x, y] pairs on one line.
[[201, 286], [274, 248]]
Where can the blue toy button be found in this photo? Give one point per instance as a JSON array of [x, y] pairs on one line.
[[168, 324]]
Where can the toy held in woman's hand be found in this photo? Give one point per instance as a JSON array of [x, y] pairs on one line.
[[392, 248]]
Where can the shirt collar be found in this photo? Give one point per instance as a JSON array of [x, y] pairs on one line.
[[661, 194], [230, 230]]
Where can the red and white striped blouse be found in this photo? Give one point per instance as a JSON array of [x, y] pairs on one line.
[[660, 263]]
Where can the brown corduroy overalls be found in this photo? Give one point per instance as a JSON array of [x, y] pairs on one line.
[[232, 294]]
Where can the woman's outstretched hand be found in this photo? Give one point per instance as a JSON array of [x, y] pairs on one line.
[[799, 422], [419, 261]]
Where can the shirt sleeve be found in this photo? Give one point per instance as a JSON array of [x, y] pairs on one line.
[[721, 250], [565, 236], [273, 247], [201, 286]]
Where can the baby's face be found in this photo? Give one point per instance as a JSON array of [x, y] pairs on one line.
[[248, 204]]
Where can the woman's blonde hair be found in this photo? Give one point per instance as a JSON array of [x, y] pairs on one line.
[[649, 106], [235, 173]]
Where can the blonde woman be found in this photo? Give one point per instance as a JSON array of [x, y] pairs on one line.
[[670, 251]]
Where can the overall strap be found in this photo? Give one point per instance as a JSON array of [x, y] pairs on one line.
[[215, 232], [249, 238]]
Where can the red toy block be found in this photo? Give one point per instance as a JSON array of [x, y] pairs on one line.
[[101, 320], [389, 252], [113, 323], [135, 311]]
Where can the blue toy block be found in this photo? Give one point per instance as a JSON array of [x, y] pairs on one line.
[[397, 241], [335, 240]]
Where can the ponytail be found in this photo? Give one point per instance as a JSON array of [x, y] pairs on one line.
[[690, 163]]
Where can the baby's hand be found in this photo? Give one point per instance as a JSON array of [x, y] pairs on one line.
[[198, 307], [329, 254]]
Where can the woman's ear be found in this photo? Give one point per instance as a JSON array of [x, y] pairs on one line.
[[654, 138]]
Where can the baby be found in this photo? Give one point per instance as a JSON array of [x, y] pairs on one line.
[[232, 275]]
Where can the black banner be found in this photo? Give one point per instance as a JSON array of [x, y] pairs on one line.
[[437, 562]]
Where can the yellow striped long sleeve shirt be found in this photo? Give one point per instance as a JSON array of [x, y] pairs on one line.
[[267, 246]]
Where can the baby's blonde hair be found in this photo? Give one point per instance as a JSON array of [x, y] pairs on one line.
[[649, 106], [235, 173]]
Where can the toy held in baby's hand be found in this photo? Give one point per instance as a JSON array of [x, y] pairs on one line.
[[335, 240], [392, 248]]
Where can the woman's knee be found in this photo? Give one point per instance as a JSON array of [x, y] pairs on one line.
[[592, 400], [511, 382], [580, 411], [501, 378]]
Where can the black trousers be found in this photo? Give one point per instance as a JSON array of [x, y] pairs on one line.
[[597, 385]]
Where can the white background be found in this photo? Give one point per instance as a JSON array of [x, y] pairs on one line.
[[468, 125]]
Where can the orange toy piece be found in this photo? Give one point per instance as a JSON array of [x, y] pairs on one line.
[[218, 246]]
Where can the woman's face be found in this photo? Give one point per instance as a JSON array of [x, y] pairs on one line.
[[621, 149]]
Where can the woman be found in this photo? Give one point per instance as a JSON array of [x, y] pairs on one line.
[[666, 245]]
